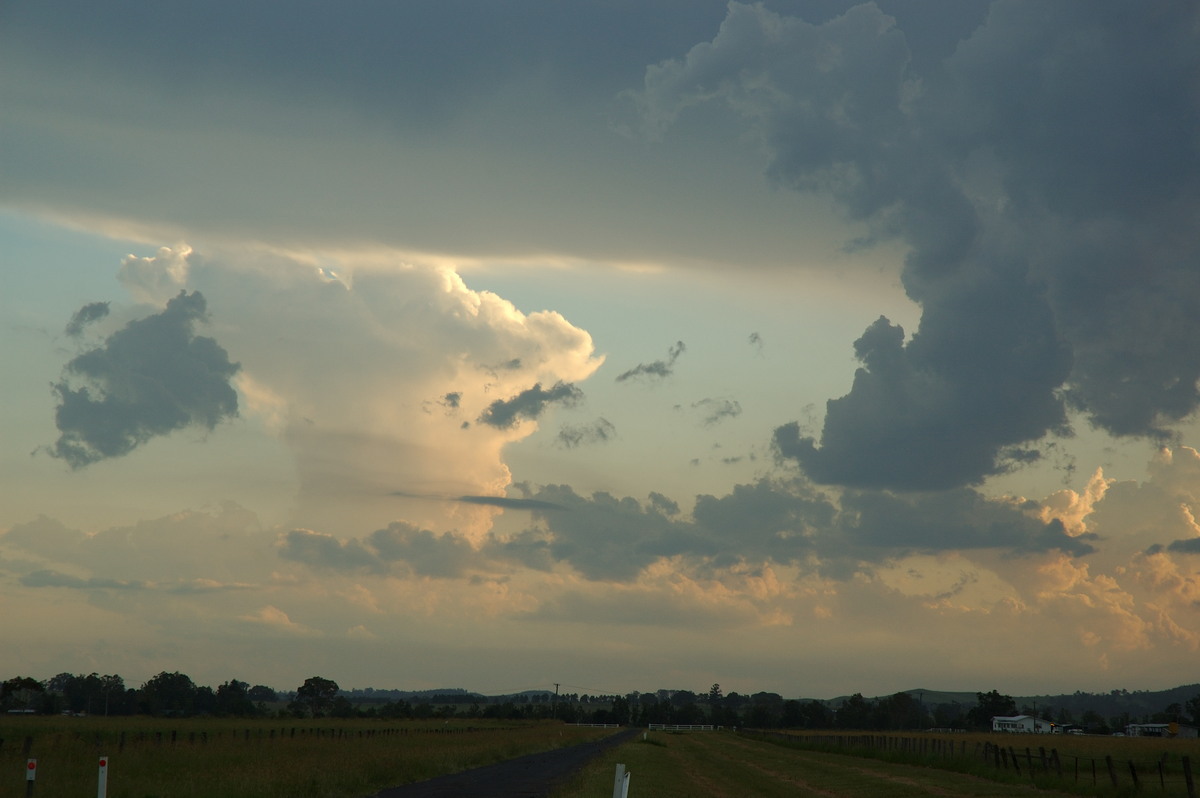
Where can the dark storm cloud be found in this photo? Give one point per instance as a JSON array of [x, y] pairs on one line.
[[572, 436], [1185, 546], [510, 503], [413, 63], [528, 404], [786, 522], [426, 553], [1045, 178], [56, 579], [85, 316], [953, 519], [152, 377], [421, 550], [609, 538], [657, 369], [601, 536], [320, 550]]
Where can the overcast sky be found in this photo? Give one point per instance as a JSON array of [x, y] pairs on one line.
[[799, 346]]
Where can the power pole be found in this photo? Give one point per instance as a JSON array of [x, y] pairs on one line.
[[555, 708]]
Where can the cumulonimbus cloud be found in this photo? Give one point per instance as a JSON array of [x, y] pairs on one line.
[[345, 371], [1046, 198]]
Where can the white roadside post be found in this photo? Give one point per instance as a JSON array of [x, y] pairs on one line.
[[30, 775], [621, 783], [102, 783]]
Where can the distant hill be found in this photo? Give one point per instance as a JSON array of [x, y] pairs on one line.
[[447, 695], [1113, 704], [1116, 702]]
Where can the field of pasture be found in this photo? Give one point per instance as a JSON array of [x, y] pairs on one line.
[[719, 764], [216, 758]]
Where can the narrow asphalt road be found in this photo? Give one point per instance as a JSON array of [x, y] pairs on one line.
[[532, 776]]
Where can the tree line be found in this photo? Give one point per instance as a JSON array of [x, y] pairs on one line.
[[175, 694]]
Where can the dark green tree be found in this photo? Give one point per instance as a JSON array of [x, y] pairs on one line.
[[168, 694], [854, 713], [261, 694], [233, 698], [989, 706], [21, 692], [816, 715], [316, 695], [1192, 707]]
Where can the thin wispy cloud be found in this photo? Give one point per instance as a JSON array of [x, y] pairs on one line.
[[657, 369], [571, 436]]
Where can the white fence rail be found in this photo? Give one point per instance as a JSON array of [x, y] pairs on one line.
[[677, 727]]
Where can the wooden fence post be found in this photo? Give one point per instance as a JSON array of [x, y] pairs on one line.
[[1112, 771], [1016, 764], [1133, 774], [1187, 777]]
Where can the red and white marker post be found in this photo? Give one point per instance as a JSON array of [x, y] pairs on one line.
[[30, 775], [102, 783]]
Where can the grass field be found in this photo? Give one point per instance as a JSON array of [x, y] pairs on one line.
[[212, 758], [725, 764]]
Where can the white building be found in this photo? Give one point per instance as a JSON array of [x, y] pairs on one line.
[[1025, 724], [1160, 730]]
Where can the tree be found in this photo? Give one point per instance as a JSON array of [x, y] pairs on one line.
[[990, 705], [815, 715], [317, 694], [899, 711], [19, 692], [169, 694], [854, 713], [793, 714], [260, 692], [233, 698], [1192, 706]]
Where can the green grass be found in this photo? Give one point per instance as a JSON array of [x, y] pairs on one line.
[[716, 764], [213, 758]]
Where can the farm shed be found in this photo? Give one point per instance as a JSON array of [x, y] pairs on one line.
[[1026, 724], [1160, 730]]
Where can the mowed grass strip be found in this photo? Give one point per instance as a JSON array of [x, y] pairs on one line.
[[722, 764], [215, 759]]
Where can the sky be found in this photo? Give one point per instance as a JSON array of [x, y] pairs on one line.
[[802, 346]]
